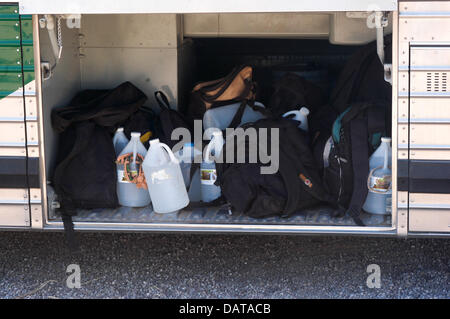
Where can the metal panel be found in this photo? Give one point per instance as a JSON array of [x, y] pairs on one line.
[[429, 220], [422, 8], [430, 83], [11, 109], [149, 69], [199, 6], [17, 215], [12, 134], [424, 112], [430, 58], [129, 31], [430, 136], [425, 29], [280, 25], [13, 151], [15, 70]]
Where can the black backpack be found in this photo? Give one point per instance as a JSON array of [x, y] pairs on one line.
[[169, 120], [355, 135], [360, 110], [85, 173], [296, 185], [362, 79]]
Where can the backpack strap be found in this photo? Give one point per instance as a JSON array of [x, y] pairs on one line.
[[360, 164], [162, 100], [71, 241]]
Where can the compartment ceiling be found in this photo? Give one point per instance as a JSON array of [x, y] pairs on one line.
[[199, 6]]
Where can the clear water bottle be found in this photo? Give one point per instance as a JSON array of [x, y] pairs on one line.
[[131, 184], [120, 141], [379, 197], [300, 116], [208, 173], [164, 178], [221, 117], [187, 156]]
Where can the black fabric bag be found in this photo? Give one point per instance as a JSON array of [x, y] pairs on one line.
[[106, 108], [169, 120], [296, 185], [292, 92], [362, 79], [85, 173], [345, 157], [360, 109], [144, 122]]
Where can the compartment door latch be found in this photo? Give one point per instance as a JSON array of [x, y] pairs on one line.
[[381, 21]]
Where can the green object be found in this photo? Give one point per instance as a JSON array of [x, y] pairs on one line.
[[16, 50]]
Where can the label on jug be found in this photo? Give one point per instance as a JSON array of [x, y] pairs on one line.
[[160, 176], [380, 184], [122, 178], [131, 173], [208, 176]]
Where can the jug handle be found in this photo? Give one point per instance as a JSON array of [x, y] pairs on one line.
[[208, 152], [290, 113], [169, 151]]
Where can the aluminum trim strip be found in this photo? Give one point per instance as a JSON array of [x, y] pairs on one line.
[[423, 94], [226, 228], [424, 121]]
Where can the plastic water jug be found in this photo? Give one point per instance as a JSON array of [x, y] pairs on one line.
[[186, 157], [165, 181], [131, 184], [299, 115], [379, 197], [221, 117], [120, 141], [208, 174]]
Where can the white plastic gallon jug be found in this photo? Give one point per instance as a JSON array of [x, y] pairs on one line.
[[165, 181], [221, 117], [208, 173], [299, 115], [120, 141], [186, 157], [379, 197], [131, 184]]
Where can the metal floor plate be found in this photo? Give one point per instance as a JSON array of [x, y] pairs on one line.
[[318, 216]]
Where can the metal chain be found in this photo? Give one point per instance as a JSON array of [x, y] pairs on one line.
[[59, 36]]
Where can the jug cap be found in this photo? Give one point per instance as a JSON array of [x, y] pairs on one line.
[[155, 141], [135, 134], [304, 110], [120, 129], [386, 139]]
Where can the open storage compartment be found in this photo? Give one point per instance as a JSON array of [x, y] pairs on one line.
[[171, 53]]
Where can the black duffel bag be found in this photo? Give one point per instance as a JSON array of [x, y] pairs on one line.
[[296, 185], [85, 173]]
